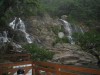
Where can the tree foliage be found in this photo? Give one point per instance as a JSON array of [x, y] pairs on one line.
[[89, 42], [38, 53], [11, 8], [79, 10], [17, 6]]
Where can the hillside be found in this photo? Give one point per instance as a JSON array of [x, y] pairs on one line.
[[59, 31]]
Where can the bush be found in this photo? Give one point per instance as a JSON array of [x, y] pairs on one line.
[[38, 53], [55, 29], [90, 42], [60, 40]]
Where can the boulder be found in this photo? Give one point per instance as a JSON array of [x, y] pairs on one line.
[[64, 17], [72, 54]]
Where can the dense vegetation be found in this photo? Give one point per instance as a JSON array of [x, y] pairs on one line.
[[12, 8], [38, 53], [82, 11], [85, 11], [89, 42]]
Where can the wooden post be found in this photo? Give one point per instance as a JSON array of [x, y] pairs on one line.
[[33, 69], [37, 72], [57, 70]]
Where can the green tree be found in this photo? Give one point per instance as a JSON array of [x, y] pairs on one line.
[[89, 42], [9, 8], [86, 11]]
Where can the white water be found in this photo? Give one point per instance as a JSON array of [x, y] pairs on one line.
[[12, 24], [17, 45], [3, 37], [68, 30], [20, 26], [81, 30]]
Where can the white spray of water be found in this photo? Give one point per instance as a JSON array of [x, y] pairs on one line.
[[20, 26], [12, 24], [81, 30], [3, 37], [17, 45], [68, 30]]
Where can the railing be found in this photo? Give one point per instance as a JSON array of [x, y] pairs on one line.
[[46, 68], [56, 69], [12, 68]]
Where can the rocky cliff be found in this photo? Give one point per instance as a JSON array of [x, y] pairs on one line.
[[53, 35], [45, 32]]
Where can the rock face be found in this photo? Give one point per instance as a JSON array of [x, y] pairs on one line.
[[64, 17], [43, 30], [72, 54]]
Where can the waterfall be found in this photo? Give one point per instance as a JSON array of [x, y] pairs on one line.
[[78, 29], [81, 30], [68, 30], [20, 26], [12, 24], [3, 37], [17, 45], [23, 29]]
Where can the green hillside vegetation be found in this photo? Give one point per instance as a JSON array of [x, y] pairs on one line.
[[86, 11], [38, 53], [12, 8], [89, 42], [79, 11]]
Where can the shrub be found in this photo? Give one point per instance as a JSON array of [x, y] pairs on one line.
[[89, 42], [60, 40], [38, 53]]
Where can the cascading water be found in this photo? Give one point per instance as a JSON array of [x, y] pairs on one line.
[[20, 26], [81, 30], [16, 45], [12, 24], [3, 37], [68, 30], [78, 29]]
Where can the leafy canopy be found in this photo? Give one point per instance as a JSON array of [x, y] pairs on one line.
[[17, 6], [12, 8]]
